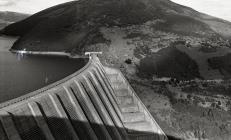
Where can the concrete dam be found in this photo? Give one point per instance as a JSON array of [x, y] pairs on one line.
[[94, 103]]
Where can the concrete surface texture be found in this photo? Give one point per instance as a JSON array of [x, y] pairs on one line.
[[94, 103]]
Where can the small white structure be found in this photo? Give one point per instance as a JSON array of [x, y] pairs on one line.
[[92, 53]]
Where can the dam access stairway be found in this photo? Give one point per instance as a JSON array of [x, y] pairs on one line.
[[95, 103]]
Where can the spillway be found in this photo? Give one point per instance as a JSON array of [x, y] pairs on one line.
[[95, 103]]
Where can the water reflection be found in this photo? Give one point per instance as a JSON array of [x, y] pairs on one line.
[[21, 74]]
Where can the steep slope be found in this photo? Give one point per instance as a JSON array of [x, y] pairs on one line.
[[7, 18]]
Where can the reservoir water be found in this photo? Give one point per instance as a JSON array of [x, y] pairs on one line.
[[22, 74]]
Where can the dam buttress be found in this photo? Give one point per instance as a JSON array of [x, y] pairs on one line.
[[95, 103]]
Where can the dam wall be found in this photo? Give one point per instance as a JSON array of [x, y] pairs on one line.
[[95, 103]]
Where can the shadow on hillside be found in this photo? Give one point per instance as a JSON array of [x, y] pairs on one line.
[[44, 128]]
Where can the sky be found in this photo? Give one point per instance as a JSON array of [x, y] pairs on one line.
[[218, 8], [28, 6]]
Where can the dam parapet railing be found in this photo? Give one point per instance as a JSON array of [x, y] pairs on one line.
[[88, 104]]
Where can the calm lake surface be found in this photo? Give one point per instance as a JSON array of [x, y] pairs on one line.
[[20, 75]]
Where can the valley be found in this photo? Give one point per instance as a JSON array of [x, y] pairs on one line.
[[176, 59]]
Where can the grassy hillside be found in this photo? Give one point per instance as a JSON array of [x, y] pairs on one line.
[[65, 27], [169, 62]]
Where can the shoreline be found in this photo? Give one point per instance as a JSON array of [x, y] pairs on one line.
[[8, 42], [69, 55]]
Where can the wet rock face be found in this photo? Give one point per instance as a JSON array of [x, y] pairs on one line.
[[169, 62]]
